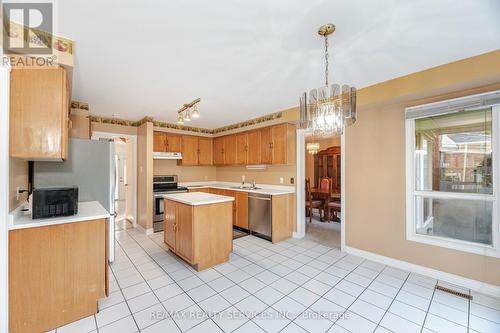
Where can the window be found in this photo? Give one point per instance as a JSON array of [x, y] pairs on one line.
[[452, 174]]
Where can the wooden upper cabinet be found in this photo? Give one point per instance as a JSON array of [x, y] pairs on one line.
[[266, 150], [279, 144], [173, 143], [205, 151], [189, 150], [253, 154], [241, 148], [159, 142], [219, 143], [230, 150], [166, 142], [39, 110]]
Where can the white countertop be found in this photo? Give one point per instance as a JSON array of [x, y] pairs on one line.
[[198, 198], [90, 210], [263, 189]]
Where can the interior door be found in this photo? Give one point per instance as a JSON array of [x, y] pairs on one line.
[[121, 180]]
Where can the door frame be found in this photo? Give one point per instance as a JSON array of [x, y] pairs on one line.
[[4, 197], [96, 135], [301, 184]]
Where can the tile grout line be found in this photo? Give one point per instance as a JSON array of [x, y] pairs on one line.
[[429, 307], [393, 299], [131, 314], [152, 291], [185, 291], [269, 285]]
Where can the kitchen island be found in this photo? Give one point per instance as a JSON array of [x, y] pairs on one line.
[[199, 227]]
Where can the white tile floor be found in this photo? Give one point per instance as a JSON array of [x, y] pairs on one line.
[[293, 286]]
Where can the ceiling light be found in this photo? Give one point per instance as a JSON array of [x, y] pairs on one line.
[[312, 147], [188, 111], [195, 113], [329, 109]]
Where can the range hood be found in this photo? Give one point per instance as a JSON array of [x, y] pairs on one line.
[[166, 156]]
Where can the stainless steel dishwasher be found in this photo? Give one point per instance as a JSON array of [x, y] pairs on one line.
[[259, 215]]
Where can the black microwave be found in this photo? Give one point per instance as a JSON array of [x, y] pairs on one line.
[[54, 201]]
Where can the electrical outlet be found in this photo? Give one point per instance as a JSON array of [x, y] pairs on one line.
[[292, 180], [281, 180]]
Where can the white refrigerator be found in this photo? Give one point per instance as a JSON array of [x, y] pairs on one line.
[[91, 166]]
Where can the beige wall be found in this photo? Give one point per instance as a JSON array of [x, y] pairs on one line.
[[145, 175], [18, 177], [375, 164], [185, 173], [323, 144]]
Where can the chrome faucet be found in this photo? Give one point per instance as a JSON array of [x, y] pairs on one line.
[[253, 184]]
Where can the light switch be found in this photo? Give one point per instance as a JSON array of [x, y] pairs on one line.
[[281, 180]]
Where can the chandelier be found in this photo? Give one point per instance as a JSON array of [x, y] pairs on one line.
[[188, 111], [312, 147], [329, 109]]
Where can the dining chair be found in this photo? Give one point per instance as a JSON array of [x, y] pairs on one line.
[[335, 207], [325, 188], [311, 203]]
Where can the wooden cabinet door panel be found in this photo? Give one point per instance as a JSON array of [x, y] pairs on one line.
[[169, 221], [266, 151], [184, 231], [233, 194], [254, 147], [173, 143], [242, 210], [189, 150], [159, 142], [230, 150], [241, 148], [205, 151], [38, 113], [278, 144], [219, 151]]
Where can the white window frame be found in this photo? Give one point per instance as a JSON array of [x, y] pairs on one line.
[[486, 100]]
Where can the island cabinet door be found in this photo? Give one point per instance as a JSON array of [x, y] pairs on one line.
[[184, 231], [169, 220]]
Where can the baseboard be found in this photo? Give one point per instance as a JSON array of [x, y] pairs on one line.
[[478, 286], [148, 231]]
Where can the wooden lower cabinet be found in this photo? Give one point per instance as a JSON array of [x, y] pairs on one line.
[[201, 189], [201, 235], [56, 274], [283, 216]]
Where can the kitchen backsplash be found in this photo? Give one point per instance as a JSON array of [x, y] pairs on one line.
[[271, 175], [185, 173]]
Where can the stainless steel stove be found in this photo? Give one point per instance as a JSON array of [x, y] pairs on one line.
[[163, 185]]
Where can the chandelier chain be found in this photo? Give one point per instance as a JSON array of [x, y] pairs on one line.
[[326, 61]]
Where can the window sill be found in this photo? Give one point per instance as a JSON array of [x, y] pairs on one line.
[[458, 245]]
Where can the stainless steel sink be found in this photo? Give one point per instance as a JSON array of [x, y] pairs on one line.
[[246, 187]]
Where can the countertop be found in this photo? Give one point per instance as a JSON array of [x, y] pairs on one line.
[[198, 198], [263, 189], [90, 210]]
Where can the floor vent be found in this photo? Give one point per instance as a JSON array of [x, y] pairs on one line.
[[454, 292]]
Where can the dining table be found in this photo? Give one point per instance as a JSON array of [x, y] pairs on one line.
[[327, 197]]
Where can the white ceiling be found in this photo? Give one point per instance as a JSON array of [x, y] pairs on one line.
[[249, 58]]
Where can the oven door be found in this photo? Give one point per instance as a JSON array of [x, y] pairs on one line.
[[158, 207]]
